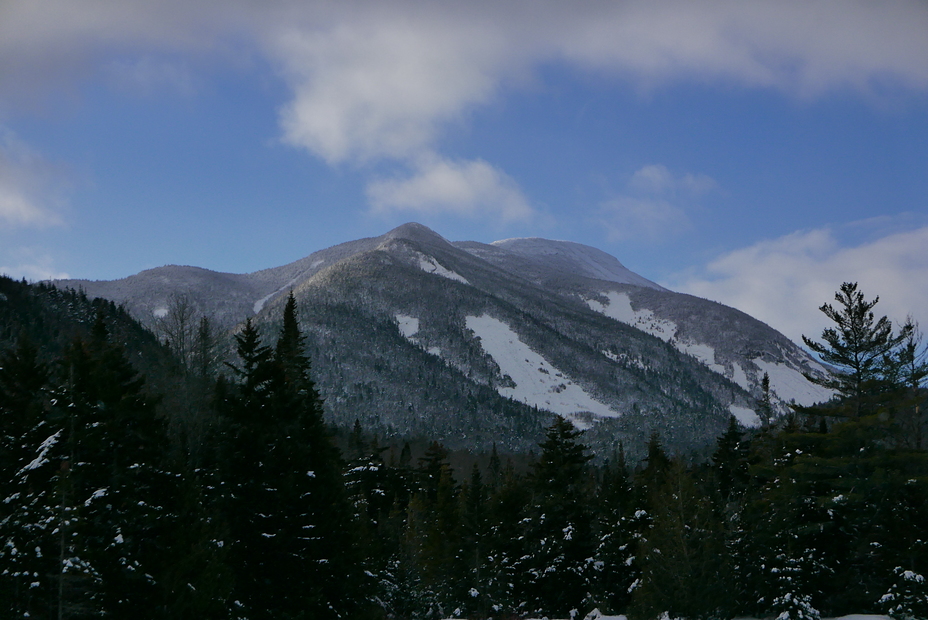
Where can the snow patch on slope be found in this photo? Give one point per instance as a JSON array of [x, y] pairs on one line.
[[537, 382], [430, 265], [789, 384], [739, 377], [624, 359], [747, 417], [259, 305], [620, 309], [703, 352], [575, 258], [409, 325]]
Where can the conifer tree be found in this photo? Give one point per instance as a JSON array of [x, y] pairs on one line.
[[94, 501], [908, 366], [616, 567], [683, 560], [729, 461], [26, 491], [289, 517], [560, 531], [858, 345]]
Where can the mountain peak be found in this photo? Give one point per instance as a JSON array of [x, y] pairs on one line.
[[413, 231], [575, 258]]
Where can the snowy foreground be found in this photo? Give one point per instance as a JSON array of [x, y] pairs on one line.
[[596, 615]]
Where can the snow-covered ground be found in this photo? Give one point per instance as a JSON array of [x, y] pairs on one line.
[[537, 382], [259, 305], [430, 265], [620, 309], [786, 382], [789, 384], [703, 352], [747, 417], [596, 615], [409, 325]]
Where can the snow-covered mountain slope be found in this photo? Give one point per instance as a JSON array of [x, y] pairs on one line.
[[474, 343], [571, 258], [535, 381], [724, 339]]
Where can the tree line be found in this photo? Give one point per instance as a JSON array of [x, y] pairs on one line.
[[110, 507]]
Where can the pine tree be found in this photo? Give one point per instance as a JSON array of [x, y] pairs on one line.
[[729, 462], [560, 528], [908, 367], [765, 406], [858, 345], [683, 560], [616, 566], [92, 505], [503, 574], [27, 564], [907, 598], [290, 520], [116, 476]]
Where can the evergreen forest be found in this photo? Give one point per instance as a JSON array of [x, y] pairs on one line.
[[178, 476]]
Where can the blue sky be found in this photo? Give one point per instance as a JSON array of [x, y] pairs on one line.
[[758, 154]]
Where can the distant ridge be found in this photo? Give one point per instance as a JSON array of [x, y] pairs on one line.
[[476, 343]]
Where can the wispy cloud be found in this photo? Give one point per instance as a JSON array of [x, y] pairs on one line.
[[149, 75], [650, 219], [652, 206], [31, 263], [383, 84], [464, 188], [29, 186], [804, 48], [383, 80], [784, 281], [657, 179]]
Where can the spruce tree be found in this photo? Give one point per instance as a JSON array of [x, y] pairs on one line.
[[616, 564], [858, 345], [683, 560], [290, 520], [27, 557], [94, 501], [560, 527]]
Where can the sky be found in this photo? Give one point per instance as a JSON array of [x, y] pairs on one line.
[[754, 153]]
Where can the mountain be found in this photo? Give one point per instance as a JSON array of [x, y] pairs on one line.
[[52, 319], [476, 343]]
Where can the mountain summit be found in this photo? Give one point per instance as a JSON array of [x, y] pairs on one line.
[[478, 343]]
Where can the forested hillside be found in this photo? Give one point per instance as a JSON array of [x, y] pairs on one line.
[[146, 480]]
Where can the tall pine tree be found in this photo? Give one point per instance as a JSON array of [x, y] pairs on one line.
[[290, 521]]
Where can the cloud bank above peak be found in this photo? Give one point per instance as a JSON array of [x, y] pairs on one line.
[[30, 186], [784, 281], [379, 79]]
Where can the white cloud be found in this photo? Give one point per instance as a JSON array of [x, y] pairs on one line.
[[463, 188], [383, 84], [372, 79], [784, 281], [657, 179], [32, 264], [652, 207], [800, 47], [28, 186], [648, 219], [149, 74], [382, 79]]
